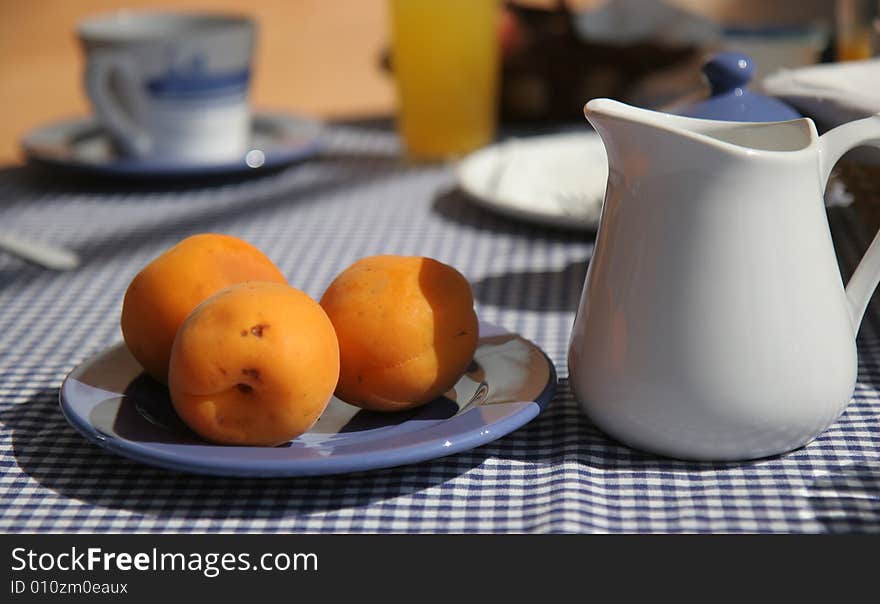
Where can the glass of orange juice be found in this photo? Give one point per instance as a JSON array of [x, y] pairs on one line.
[[856, 29], [445, 59]]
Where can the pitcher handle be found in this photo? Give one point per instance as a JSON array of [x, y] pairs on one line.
[[832, 145]]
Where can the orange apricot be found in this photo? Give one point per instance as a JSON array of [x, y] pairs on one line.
[[254, 364], [406, 327], [161, 296]]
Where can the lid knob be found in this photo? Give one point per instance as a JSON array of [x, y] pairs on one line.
[[727, 71], [729, 74]]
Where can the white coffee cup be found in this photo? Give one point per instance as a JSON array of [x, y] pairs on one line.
[[171, 85]]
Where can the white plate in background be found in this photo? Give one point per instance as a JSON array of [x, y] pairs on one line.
[[830, 93], [554, 180]]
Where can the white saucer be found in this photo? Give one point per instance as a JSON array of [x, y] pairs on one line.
[[555, 180], [81, 145]]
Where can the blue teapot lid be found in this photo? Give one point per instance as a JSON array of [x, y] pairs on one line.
[[728, 74]]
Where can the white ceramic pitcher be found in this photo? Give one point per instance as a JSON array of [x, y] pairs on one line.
[[714, 323]]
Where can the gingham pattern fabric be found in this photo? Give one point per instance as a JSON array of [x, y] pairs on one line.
[[558, 473]]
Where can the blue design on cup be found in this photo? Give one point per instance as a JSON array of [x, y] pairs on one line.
[[194, 82]]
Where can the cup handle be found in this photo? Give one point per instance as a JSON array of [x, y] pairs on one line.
[[110, 107], [832, 145]]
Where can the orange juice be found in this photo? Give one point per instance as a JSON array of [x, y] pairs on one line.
[[445, 61], [857, 46], [854, 29]]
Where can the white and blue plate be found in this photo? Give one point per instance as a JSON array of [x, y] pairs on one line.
[[81, 145], [113, 404]]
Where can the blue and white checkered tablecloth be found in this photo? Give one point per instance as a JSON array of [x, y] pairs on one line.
[[558, 473]]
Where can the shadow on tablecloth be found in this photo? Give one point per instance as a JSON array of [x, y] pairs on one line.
[[51, 452], [536, 290], [545, 291], [454, 205], [48, 450], [849, 501]]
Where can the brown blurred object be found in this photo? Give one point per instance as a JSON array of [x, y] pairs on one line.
[[862, 181], [549, 71], [855, 23], [313, 57]]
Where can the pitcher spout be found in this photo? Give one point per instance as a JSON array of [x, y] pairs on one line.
[[618, 124], [599, 111], [611, 117]]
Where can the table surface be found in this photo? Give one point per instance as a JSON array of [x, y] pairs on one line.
[[558, 473]]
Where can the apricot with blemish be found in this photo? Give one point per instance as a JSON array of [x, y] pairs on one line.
[[161, 296], [254, 364]]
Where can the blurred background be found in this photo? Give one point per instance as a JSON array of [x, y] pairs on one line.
[[313, 57], [330, 59]]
